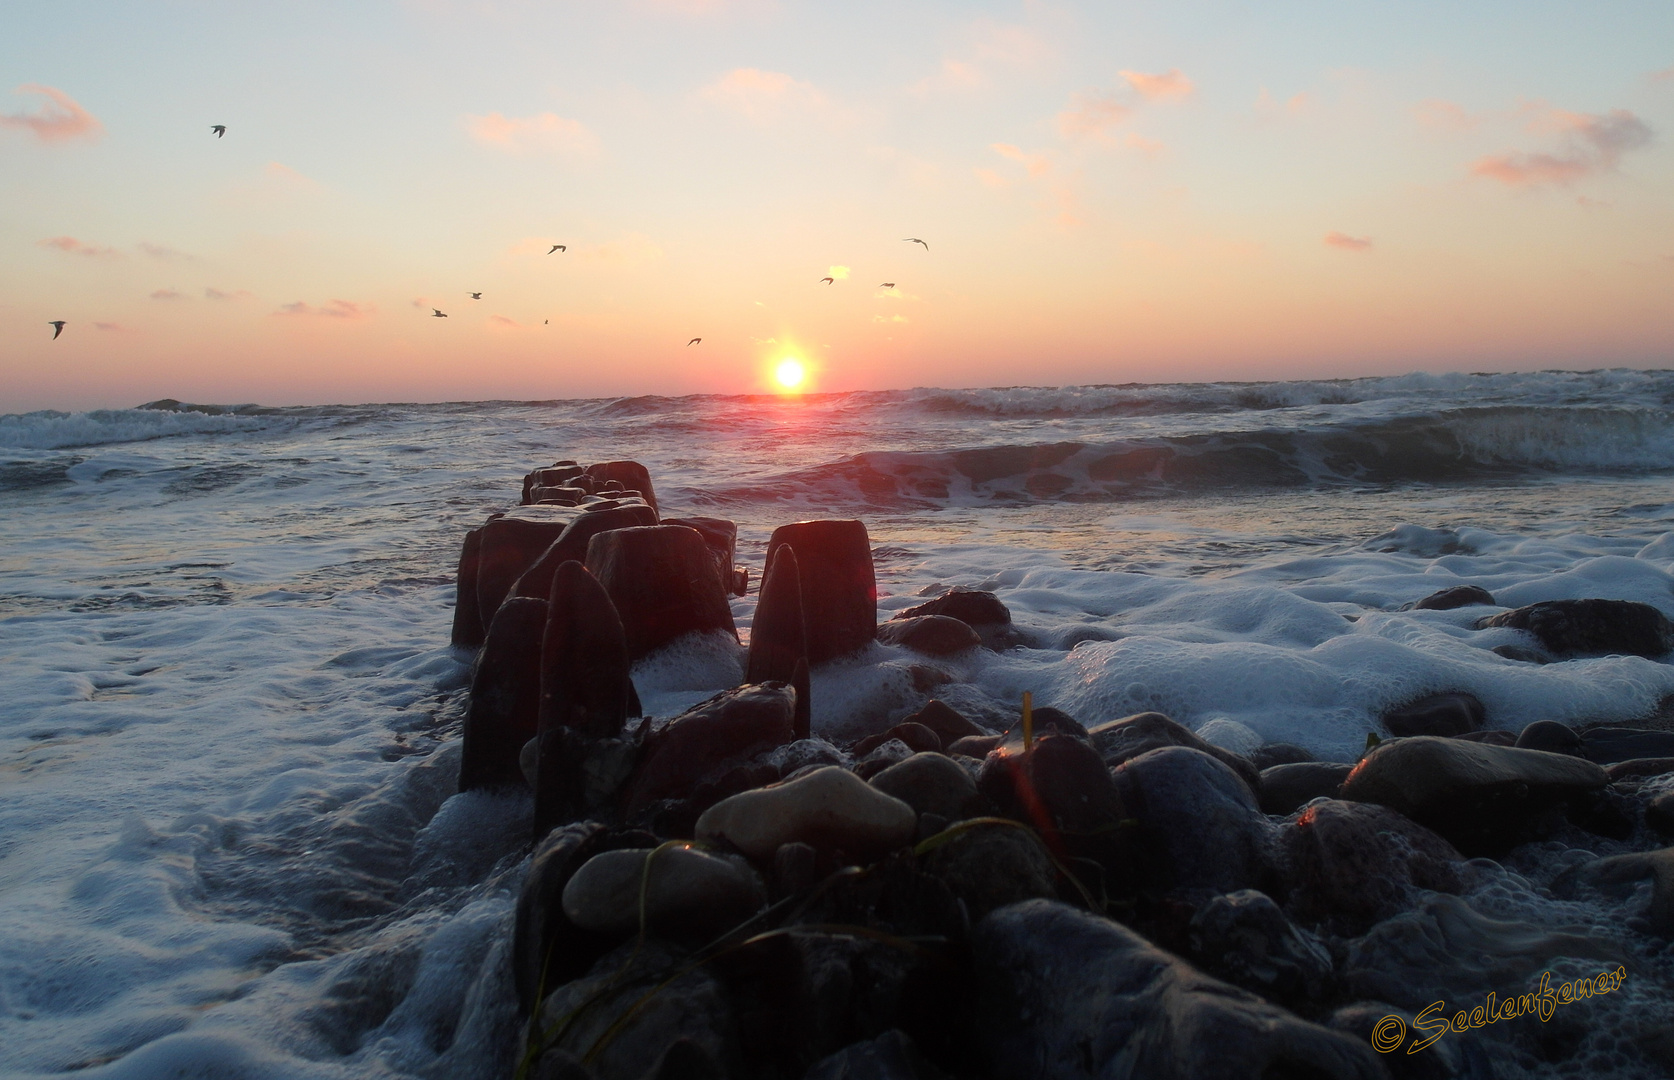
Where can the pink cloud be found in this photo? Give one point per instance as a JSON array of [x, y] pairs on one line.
[[110, 327], [1171, 84], [333, 309], [501, 320], [217, 294], [1036, 164], [540, 132], [72, 246], [1444, 115], [167, 294], [1346, 242], [57, 119], [1665, 75], [1091, 115], [162, 252], [1593, 143], [765, 95]]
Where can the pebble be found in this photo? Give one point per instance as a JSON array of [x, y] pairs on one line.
[[829, 807], [688, 891]]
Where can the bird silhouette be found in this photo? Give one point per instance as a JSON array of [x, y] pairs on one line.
[[694, 341], [915, 240], [546, 322], [887, 285], [57, 328], [439, 313], [558, 247], [476, 296], [829, 281], [219, 130]]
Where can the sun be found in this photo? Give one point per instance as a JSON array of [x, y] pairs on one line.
[[790, 373]]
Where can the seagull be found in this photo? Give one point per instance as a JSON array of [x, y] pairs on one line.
[[439, 313], [558, 247], [546, 322], [219, 130], [887, 285], [828, 281], [57, 328], [474, 296], [915, 240], [692, 342]]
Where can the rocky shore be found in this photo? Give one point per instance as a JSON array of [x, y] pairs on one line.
[[727, 893]]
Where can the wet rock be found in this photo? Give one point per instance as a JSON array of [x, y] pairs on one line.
[[721, 537], [1244, 938], [509, 545], [732, 724], [662, 582], [1482, 799], [1350, 865], [839, 589], [1659, 813], [1064, 791], [882, 756], [1198, 820], [1489, 737], [1620, 876], [572, 545], [1569, 628], [1061, 993], [933, 635], [976, 746], [1447, 599], [828, 808], [948, 723], [1119, 740], [1439, 1060], [779, 635], [990, 865], [1284, 788], [1608, 745], [622, 1019], [1638, 768], [1279, 753], [981, 611], [930, 783], [891, 1056], [916, 737], [1438, 714], [1550, 736], [687, 893], [505, 696], [630, 474], [468, 628]]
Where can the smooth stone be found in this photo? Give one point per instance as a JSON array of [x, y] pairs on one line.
[[828, 808], [1569, 628], [630, 474], [882, 756], [686, 892], [1066, 793], [1043, 721], [572, 545], [468, 630], [1452, 713], [1198, 816], [1058, 992], [946, 721], [543, 940], [917, 737], [1131, 736], [779, 635], [511, 543], [1349, 865], [932, 635], [1620, 875], [839, 586], [505, 696], [1483, 799], [1608, 745], [661, 580], [1284, 788], [1244, 938], [1279, 753], [1550, 736], [1659, 813], [975, 746], [733, 723], [1447, 599], [930, 783], [1637, 768], [973, 607], [988, 866], [1490, 737]]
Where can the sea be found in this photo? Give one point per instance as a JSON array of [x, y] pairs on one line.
[[230, 844]]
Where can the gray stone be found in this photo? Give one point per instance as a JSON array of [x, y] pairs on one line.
[[1284, 788], [732, 724], [1608, 745], [930, 783], [1198, 815], [827, 808], [1659, 813], [948, 723], [988, 865], [1569, 628], [1483, 799], [687, 892], [932, 635], [1061, 993], [1349, 865], [1244, 938], [1447, 599], [1453, 713], [1279, 753], [1550, 736], [1621, 875], [1119, 740]]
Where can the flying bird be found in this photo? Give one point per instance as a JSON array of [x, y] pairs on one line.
[[439, 313], [692, 342], [474, 296], [915, 240], [219, 130], [887, 285], [57, 328], [828, 281], [546, 322], [558, 247]]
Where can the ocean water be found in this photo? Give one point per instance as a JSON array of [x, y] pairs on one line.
[[229, 714]]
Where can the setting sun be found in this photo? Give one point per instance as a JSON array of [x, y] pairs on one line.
[[790, 373]]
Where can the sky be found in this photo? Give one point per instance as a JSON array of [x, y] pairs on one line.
[[1107, 192]]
